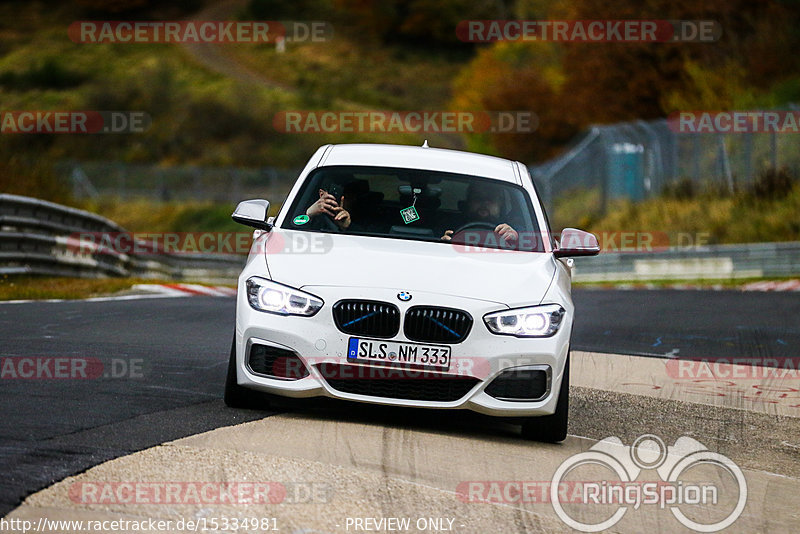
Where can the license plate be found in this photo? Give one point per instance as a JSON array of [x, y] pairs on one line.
[[397, 353]]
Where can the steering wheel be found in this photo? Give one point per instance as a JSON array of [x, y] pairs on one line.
[[480, 225], [483, 239]]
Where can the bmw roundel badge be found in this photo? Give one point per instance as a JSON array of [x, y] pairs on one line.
[[405, 296]]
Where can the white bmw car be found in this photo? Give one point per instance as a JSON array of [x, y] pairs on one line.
[[409, 276]]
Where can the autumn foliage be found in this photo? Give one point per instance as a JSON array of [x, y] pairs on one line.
[[572, 85]]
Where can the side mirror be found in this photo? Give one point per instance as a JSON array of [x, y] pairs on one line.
[[577, 243], [253, 213]]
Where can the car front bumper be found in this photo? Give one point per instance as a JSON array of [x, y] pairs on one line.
[[480, 358]]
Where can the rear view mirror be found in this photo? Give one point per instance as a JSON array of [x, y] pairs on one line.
[[253, 213], [576, 242]]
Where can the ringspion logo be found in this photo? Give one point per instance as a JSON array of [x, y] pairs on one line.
[[674, 491]]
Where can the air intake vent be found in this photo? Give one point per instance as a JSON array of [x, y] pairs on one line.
[[519, 385], [396, 383], [275, 362]]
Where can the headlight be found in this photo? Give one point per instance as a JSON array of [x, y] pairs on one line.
[[268, 296], [534, 321]]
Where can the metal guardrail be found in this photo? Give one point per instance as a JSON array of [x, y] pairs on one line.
[[35, 238], [707, 262]]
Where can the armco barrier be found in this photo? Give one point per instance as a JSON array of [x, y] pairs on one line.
[[707, 262], [34, 239]]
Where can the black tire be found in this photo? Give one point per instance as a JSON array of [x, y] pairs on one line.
[[551, 428], [237, 396]]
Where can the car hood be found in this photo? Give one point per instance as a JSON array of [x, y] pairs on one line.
[[302, 259]]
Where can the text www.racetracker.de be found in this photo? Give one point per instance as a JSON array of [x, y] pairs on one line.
[[202, 524]]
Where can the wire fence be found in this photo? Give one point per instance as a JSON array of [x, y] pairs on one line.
[[638, 160], [181, 183], [632, 160]]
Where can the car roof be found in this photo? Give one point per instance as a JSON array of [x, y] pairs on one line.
[[415, 157]]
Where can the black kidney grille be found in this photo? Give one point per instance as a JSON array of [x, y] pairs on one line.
[[437, 325], [396, 384], [367, 318]]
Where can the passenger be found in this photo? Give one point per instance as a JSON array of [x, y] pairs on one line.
[[329, 206]]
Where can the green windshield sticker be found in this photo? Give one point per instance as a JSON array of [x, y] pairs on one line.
[[301, 220], [409, 214]]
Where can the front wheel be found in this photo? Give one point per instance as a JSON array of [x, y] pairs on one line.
[[551, 428]]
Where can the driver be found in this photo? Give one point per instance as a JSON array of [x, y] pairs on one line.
[[327, 205], [483, 205]]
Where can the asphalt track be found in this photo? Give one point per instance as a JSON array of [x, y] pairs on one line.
[[51, 429], [688, 323]]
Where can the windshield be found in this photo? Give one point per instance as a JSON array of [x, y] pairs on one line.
[[418, 205]]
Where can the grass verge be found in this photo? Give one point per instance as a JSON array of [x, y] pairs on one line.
[[45, 287], [766, 211]]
